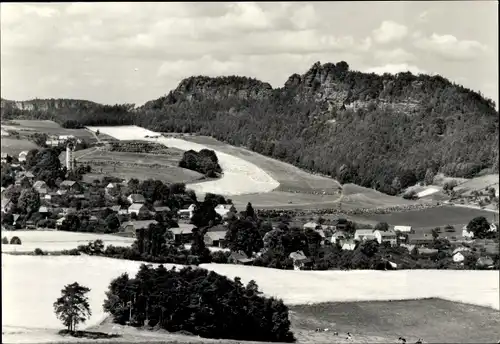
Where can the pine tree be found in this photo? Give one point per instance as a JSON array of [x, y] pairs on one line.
[[249, 211], [73, 306]]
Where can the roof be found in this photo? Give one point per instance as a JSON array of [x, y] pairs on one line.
[[68, 183], [311, 224], [29, 175], [110, 185], [136, 206], [321, 233], [387, 234], [115, 207], [420, 237], [219, 235], [299, 255], [137, 198], [402, 228], [427, 250], [139, 224], [5, 201], [363, 232], [485, 261], [23, 153], [339, 234], [224, 206], [39, 184], [162, 209], [4, 155], [348, 246], [184, 228], [240, 256], [93, 218], [43, 209]]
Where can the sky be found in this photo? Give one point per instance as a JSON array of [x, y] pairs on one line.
[[134, 52]]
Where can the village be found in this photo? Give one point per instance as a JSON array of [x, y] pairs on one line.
[[118, 207]]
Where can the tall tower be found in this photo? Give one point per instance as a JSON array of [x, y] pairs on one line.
[[69, 156]]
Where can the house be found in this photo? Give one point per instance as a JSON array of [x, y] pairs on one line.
[[93, 218], [30, 225], [485, 262], [403, 229], [138, 209], [223, 209], [162, 209], [364, 234], [460, 249], [62, 192], [43, 210], [29, 175], [110, 186], [239, 258], [22, 156], [311, 225], [187, 213], [3, 189], [136, 198], [421, 239], [493, 228], [215, 239], [349, 245], [6, 205], [466, 233], [64, 138], [460, 256], [71, 185], [60, 221], [40, 186], [133, 226], [184, 233], [15, 216], [299, 260], [338, 237], [67, 211], [53, 142], [383, 237]]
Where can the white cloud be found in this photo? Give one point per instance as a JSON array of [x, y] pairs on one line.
[[450, 47], [396, 68], [422, 17], [397, 55], [389, 31]]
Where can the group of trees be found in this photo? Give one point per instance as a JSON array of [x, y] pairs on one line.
[[363, 136], [205, 161]]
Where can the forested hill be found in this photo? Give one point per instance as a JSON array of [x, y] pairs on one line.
[[383, 131]]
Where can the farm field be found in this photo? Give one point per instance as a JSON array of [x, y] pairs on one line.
[[47, 127], [429, 218], [51, 241], [239, 176], [14, 146], [137, 165], [28, 315], [479, 183]]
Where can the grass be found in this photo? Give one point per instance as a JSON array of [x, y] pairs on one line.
[[137, 165], [23, 127], [13, 146]]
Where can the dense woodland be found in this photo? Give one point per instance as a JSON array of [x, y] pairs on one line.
[[384, 132], [205, 161]]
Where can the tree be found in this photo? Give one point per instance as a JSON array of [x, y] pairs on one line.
[[435, 233], [243, 235], [479, 226], [15, 241], [249, 212], [429, 176], [382, 226], [5, 241], [73, 306], [29, 201]]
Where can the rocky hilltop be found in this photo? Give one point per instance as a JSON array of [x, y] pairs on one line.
[[381, 131]]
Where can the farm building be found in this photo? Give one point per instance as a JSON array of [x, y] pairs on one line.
[[215, 239], [136, 198], [364, 234], [312, 225], [403, 229], [420, 239], [71, 185], [138, 209], [182, 234], [383, 237], [240, 258], [223, 209], [299, 260], [22, 156], [133, 226]]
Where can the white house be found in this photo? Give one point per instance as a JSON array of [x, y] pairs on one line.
[[460, 256], [137, 208], [188, 212], [402, 229], [348, 246], [493, 227], [338, 236], [311, 225], [389, 236], [222, 209], [364, 234], [22, 156], [466, 233]]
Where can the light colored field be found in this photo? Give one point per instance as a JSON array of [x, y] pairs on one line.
[[51, 241], [291, 178], [286, 200], [14, 147], [303, 287], [47, 127], [479, 183], [239, 177], [355, 196], [36, 123], [428, 191], [142, 166]]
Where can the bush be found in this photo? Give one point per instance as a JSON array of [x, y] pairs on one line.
[[15, 241], [39, 252], [411, 195], [5, 241]]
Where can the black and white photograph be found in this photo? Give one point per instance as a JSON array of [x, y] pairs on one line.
[[250, 172]]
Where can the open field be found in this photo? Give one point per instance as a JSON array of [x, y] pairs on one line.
[[142, 166], [23, 127], [28, 315], [291, 178], [479, 183], [51, 241], [429, 218], [14, 146], [239, 176]]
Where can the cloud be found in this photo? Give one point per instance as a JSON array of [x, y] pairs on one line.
[[389, 31], [397, 55], [396, 68], [422, 17], [449, 47]]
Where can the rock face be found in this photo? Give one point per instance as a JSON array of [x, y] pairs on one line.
[[47, 104]]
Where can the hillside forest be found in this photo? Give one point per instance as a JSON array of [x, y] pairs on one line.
[[380, 131]]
